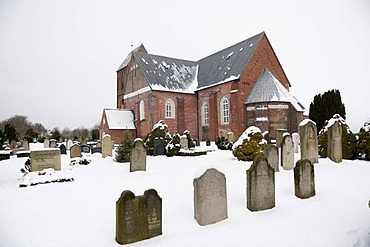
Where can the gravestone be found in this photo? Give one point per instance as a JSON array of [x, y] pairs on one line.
[[53, 143], [231, 137], [304, 179], [309, 143], [13, 144], [138, 217], [63, 149], [267, 137], [75, 151], [295, 139], [85, 149], [84, 141], [210, 199], [98, 144], [260, 185], [184, 142], [197, 142], [208, 143], [25, 145], [95, 150], [45, 158], [69, 143], [279, 136], [335, 142], [107, 146], [60, 139], [271, 152], [138, 156], [158, 146], [46, 143], [287, 152]]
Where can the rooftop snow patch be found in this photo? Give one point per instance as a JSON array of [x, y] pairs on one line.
[[120, 119]]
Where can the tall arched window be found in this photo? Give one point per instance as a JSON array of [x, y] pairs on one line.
[[142, 110], [224, 106], [170, 109], [205, 113]]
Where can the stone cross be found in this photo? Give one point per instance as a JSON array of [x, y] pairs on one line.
[[271, 152], [210, 199], [309, 143], [138, 156], [287, 152], [304, 179], [138, 217], [335, 142], [260, 185], [107, 146]]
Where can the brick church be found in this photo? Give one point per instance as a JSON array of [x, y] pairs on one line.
[[228, 91]]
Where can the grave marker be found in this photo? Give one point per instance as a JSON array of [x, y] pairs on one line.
[[69, 143], [75, 151], [287, 153], [159, 148], [279, 136], [107, 146], [304, 179], [63, 149], [46, 143], [309, 142], [271, 152], [335, 142], [138, 156], [184, 142], [46, 158], [295, 139]]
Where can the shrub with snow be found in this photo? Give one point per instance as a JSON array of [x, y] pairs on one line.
[[190, 139], [160, 130], [249, 145], [364, 140], [124, 148], [173, 148]]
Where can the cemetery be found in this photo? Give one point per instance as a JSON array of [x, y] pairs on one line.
[[218, 198]]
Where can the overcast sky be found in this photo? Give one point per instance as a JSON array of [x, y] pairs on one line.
[[58, 59]]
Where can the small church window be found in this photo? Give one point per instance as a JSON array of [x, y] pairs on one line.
[[205, 113], [142, 110], [224, 110], [170, 108]]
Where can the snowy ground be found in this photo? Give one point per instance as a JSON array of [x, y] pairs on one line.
[[82, 212]]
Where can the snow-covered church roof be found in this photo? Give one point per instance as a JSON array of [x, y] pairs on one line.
[[120, 119], [268, 89]]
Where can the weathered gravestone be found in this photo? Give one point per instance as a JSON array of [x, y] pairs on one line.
[[69, 144], [309, 143], [46, 143], [75, 151], [159, 146], [13, 144], [335, 142], [279, 136], [84, 141], [45, 158], [98, 144], [260, 185], [184, 142], [138, 156], [210, 199], [53, 143], [63, 149], [271, 152], [287, 152], [231, 137], [60, 139], [95, 150], [295, 139], [304, 179], [138, 217], [107, 146], [25, 145]]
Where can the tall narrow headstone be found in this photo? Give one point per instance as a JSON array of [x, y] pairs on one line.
[[53, 143], [63, 149], [210, 198], [309, 142], [138, 156], [271, 152], [159, 148], [279, 136], [107, 146], [231, 137], [46, 143], [295, 139], [304, 179], [260, 185], [287, 152], [138, 217], [69, 143], [335, 142], [184, 142], [13, 144], [25, 145], [75, 151]]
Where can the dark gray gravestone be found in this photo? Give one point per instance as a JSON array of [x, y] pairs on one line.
[[197, 142], [63, 149], [96, 150], [260, 185], [159, 147], [210, 199], [208, 143], [304, 179], [85, 149], [271, 152], [138, 217]]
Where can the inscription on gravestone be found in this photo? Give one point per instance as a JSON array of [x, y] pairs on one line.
[[138, 217], [309, 142], [304, 179], [46, 158]]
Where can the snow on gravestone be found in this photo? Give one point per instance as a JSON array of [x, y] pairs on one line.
[[107, 146], [335, 141], [138, 156], [69, 144], [304, 179], [271, 152], [287, 152], [45, 158], [309, 143], [210, 199], [260, 185], [184, 142], [138, 217], [53, 143]]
